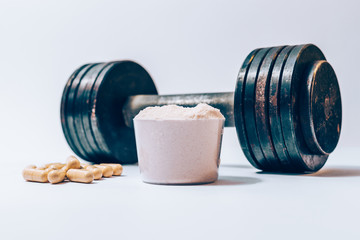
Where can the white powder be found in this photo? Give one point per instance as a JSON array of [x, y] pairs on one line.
[[201, 111]]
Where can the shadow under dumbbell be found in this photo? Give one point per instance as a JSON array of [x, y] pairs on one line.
[[340, 171], [235, 166], [233, 180], [281, 173]]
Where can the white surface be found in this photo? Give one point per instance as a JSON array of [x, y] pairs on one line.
[[187, 46], [243, 204]]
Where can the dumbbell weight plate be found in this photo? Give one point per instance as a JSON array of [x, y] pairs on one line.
[[63, 109], [261, 108], [321, 123], [300, 58], [274, 111], [249, 109], [99, 139], [81, 97], [115, 83], [86, 111], [69, 111], [238, 109]]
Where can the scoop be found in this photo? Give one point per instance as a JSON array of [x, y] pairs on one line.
[[177, 145]]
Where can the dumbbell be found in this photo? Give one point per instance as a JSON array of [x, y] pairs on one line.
[[286, 108]]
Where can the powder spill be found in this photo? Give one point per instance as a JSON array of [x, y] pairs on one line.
[[174, 112]]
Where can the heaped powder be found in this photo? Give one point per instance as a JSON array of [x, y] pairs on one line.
[[174, 112]]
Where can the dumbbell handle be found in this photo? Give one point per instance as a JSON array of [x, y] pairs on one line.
[[222, 101]]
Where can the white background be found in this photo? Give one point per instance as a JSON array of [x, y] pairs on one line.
[[188, 47]]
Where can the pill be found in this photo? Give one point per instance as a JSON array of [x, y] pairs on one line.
[[71, 163], [30, 166], [55, 165], [35, 175], [46, 168], [80, 175], [48, 164], [117, 168], [49, 169], [107, 171], [56, 176], [84, 165], [96, 171]]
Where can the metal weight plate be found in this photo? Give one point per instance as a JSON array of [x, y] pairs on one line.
[[274, 111], [249, 109], [99, 138], [300, 59], [115, 83], [69, 111], [63, 109], [320, 109], [261, 108], [238, 109], [85, 109], [78, 109]]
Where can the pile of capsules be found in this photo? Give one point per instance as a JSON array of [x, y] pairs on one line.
[[72, 170]]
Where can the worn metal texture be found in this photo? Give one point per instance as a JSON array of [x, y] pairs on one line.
[[64, 110], [300, 59], [286, 108], [77, 110], [249, 110], [321, 109], [82, 116], [274, 111], [69, 113], [261, 107], [114, 85], [99, 139], [239, 110], [297, 111], [91, 110]]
